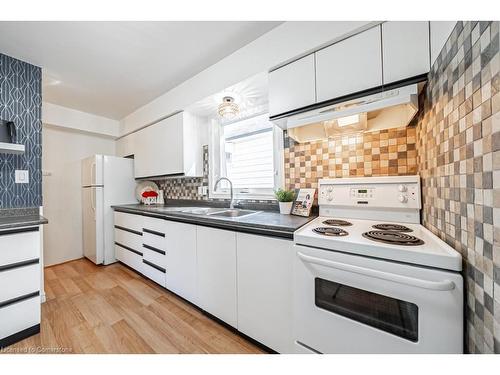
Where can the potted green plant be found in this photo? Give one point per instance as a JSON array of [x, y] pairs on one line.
[[285, 199]]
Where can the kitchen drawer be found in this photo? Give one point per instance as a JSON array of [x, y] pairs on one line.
[[128, 257], [19, 316], [154, 225], [154, 255], [20, 281], [19, 246], [154, 272], [154, 240], [129, 221], [126, 238]]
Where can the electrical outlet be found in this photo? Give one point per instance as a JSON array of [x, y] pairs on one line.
[[202, 190], [22, 176]]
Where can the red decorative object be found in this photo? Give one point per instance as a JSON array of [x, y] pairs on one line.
[[150, 193]]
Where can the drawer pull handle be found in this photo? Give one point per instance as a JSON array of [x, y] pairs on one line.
[[161, 269], [19, 299], [19, 264], [162, 252], [19, 230], [129, 249], [153, 232], [128, 230]]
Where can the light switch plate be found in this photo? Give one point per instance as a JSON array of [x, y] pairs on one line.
[[22, 176]]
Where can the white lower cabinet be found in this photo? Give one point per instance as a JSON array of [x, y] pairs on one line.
[[130, 257], [17, 317], [264, 268], [20, 277], [181, 259], [216, 271], [243, 279]]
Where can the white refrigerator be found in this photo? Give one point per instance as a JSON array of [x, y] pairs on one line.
[[106, 181]]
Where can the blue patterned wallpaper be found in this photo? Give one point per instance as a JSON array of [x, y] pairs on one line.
[[21, 102]]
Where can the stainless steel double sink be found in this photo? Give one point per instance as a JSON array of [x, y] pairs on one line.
[[219, 212], [208, 211]]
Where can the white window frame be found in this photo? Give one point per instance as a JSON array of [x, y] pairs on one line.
[[214, 155]]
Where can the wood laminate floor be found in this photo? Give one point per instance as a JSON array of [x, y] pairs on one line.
[[112, 309]]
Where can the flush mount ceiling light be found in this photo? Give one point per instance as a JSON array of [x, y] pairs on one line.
[[228, 109]]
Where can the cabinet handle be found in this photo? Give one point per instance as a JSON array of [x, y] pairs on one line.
[[19, 299], [159, 251], [128, 248], [161, 269], [19, 264], [19, 230], [128, 230], [153, 232]]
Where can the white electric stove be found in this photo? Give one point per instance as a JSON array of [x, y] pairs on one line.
[[370, 279]]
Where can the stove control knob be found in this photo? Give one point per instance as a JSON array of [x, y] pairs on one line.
[[403, 198], [329, 189], [402, 188], [330, 197]]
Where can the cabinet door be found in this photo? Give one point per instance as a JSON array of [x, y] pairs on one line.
[[216, 271], [159, 148], [405, 47], [181, 259], [349, 66], [265, 290], [440, 32], [125, 146], [292, 86]]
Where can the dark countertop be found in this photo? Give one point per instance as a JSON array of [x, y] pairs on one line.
[[13, 222], [270, 223]]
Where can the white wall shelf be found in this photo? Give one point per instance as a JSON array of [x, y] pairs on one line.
[[11, 148]]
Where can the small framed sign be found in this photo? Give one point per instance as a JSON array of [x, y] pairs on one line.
[[303, 202]]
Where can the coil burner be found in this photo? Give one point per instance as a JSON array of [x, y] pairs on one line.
[[329, 231], [337, 222], [393, 238], [393, 227]]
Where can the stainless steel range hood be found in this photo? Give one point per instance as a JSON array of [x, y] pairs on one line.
[[383, 110]]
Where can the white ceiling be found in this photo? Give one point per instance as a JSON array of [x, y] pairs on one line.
[[112, 68]]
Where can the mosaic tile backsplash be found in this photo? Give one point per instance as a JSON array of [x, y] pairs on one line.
[[458, 144], [21, 102], [389, 152], [187, 188]]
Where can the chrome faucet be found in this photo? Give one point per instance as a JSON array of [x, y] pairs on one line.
[[231, 205]]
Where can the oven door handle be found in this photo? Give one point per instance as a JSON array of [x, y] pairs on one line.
[[419, 283]]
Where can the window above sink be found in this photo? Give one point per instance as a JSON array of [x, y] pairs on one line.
[[249, 153], [246, 147]]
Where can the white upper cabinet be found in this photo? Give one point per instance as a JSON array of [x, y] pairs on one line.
[[440, 32], [125, 146], [292, 86], [170, 147], [406, 51], [351, 65]]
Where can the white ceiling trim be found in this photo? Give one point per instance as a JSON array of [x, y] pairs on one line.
[[59, 116]]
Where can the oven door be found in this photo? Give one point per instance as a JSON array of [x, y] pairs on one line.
[[345, 303]]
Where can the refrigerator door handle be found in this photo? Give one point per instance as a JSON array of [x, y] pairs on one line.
[[92, 174], [92, 202]]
